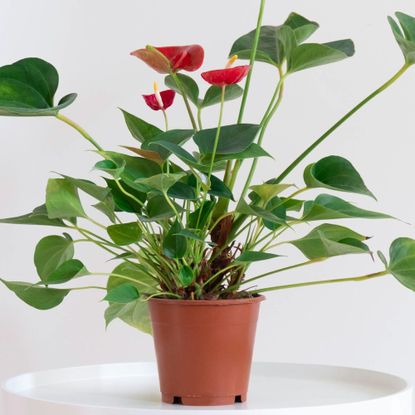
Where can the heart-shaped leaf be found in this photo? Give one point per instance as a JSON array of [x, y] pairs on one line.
[[336, 173], [188, 84], [122, 294], [50, 253], [330, 240], [214, 93], [141, 130], [38, 297], [135, 314], [331, 207], [174, 245], [70, 269], [171, 136], [253, 256], [302, 27], [39, 216], [28, 87], [123, 202], [161, 182], [404, 35], [62, 200], [186, 275], [258, 212], [124, 233], [402, 261], [158, 209], [232, 139], [267, 191]]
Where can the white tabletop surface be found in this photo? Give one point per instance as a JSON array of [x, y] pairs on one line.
[[276, 388]]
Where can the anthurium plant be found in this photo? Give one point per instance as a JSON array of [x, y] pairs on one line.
[[166, 209]]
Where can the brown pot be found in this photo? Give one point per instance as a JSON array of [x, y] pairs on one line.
[[204, 349]]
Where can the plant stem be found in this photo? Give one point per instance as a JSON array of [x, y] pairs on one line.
[[251, 61], [303, 155], [185, 99], [166, 121], [77, 127], [331, 281], [88, 288]]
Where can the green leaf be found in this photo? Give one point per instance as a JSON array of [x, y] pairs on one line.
[[27, 88], [172, 136], [186, 276], [39, 216], [135, 314], [190, 235], [140, 129], [275, 43], [382, 258], [62, 200], [402, 261], [122, 294], [124, 203], [70, 269], [219, 188], [161, 182], [258, 212], [38, 297], [110, 167], [199, 218], [404, 35], [302, 27], [252, 151], [330, 240], [309, 55], [174, 245], [90, 188], [267, 191], [336, 173], [253, 256], [331, 207], [158, 209], [189, 86], [134, 274], [233, 138], [278, 207], [214, 93], [107, 207], [182, 191], [124, 233], [50, 253]]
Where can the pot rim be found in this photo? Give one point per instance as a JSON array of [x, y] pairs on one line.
[[181, 302]]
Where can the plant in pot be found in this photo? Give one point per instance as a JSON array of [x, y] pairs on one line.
[[183, 240]]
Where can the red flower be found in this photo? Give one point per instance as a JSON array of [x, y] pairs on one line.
[[166, 59], [227, 76], [165, 98]]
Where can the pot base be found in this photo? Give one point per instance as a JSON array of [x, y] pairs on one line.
[[202, 400]]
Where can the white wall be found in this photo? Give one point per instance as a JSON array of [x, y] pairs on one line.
[[366, 324]]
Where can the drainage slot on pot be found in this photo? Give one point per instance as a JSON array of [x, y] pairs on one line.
[[238, 399], [177, 400]]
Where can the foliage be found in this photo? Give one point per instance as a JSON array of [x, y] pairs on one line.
[[174, 223]]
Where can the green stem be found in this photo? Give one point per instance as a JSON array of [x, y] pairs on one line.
[[331, 281], [185, 99], [199, 117], [303, 155], [166, 121], [89, 287], [77, 127], [251, 61]]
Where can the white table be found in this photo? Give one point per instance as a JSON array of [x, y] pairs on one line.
[[276, 388]]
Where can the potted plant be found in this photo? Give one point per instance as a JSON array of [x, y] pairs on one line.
[[182, 237]]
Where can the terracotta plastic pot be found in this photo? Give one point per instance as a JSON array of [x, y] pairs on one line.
[[204, 349]]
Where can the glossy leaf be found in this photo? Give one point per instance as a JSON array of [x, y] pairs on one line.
[[70, 269], [214, 93], [330, 240], [135, 314], [402, 261], [326, 207], [123, 202], [182, 191], [161, 182], [62, 200], [107, 207], [253, 256], [309, 55], [188, 84], [277, 206], [38, 297], [336, 173], [147, 154], [302, 27], [258, 212], [233, 138], [404, 35], [158, 209], [124, 233], [190, 235], [39, 216], [98, 192], [252, 151], [199, 218], [267, 191], [50, 253], [174, 245], [141, 130], [122, 294], [186, 276], [110, 167], [172, 136], [27, 88]]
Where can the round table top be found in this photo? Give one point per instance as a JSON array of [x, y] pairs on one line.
[[275, 388]]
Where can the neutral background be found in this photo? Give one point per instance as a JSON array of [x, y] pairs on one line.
[[366, 324]]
